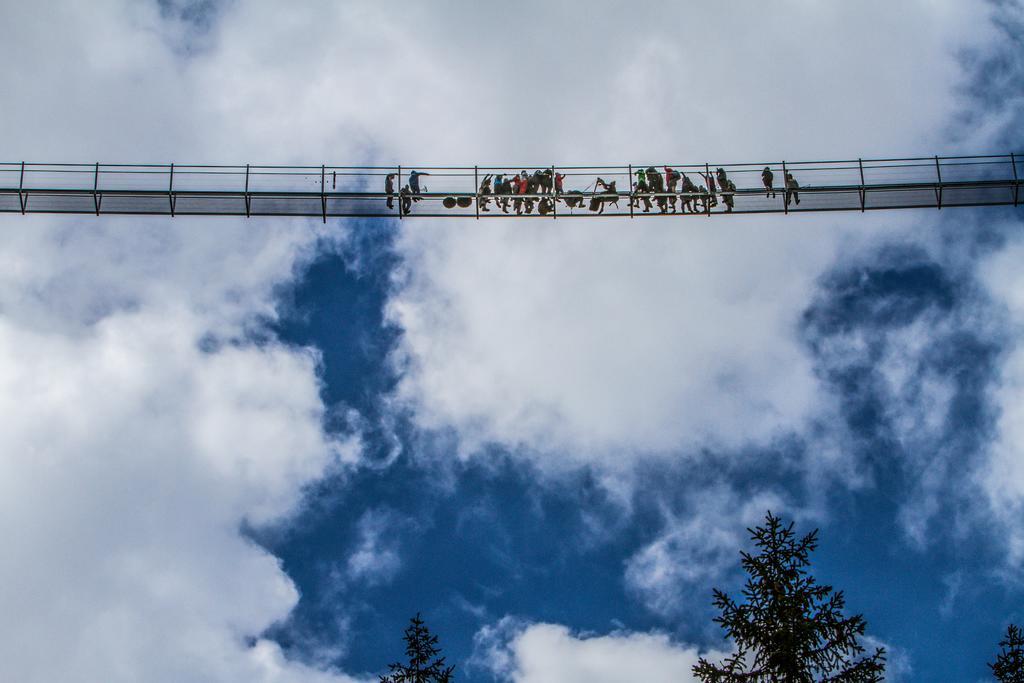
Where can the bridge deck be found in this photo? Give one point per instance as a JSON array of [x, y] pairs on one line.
[[334, 191]]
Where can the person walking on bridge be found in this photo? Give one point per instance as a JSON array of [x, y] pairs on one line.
[[405, 199], [656, 184], [712, 200], [723, 179], [502, 188], [414, 184], [768, 178], [792, 189], [691, 195], [671, 181], [604, 192], [519, 185], [483, 193], [729, 194], [640, 190], [389, 189]]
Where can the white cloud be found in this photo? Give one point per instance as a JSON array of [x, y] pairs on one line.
[[582, 339], [376, 558], [141, 426], [899, 666], [515, 650], [130, 456], [608, 340], [695, 548], [542, 653], [1002, 478]]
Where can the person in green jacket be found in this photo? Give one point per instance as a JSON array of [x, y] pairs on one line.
[[641, 189]]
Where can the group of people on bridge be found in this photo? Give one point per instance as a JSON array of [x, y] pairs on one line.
[[544, 187]]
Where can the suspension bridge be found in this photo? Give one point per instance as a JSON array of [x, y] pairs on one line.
[[446, 192]]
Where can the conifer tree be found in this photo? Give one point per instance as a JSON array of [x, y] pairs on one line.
[[1009, 664], [788, 629], [425, 666]]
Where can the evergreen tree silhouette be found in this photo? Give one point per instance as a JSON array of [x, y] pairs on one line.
[[789, 629], [1009, 664], [425, 666]]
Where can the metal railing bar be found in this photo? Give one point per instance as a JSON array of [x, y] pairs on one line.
[[312, 172], [607, 214], [89, 166], [284, 193], [631, 191], [738, 210]]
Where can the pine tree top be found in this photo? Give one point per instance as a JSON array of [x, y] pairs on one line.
[[788, 628], [424, 665], [1009, 664]]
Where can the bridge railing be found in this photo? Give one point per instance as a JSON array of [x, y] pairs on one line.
[[329, 190]]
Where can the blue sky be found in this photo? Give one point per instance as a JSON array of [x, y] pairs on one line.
[[251, 450], [498, 539]]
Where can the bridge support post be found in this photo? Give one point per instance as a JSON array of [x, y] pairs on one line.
[[95, 188], [630, 171], [554, 194], [863, 189], [938, 188], [323, 192], [248, 199], [398, 195], [476, 190], [1016, 180], [170, 190], [22, 200], [707, 200], [785, 189]]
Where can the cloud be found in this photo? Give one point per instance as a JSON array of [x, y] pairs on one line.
[[672, 573], [996, 478], [908, 344], [522, 652], [899, 665], [376, 558], [515, 650], [1002, 477], [562, 340], [608, 342], [923, 340], [148, 411], [131, 456]]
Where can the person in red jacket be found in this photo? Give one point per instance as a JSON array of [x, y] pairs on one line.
[[671, 180], [519, 184]]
